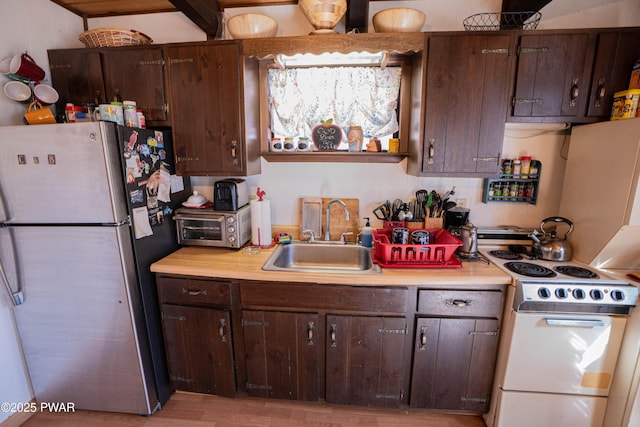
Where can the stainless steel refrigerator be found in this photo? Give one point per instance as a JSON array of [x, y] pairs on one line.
[[84, 210]]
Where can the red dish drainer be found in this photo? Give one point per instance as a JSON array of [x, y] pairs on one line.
[[436, 255]]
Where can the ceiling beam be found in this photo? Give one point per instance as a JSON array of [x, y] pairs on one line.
[[357, 16], [523, 5], [203, 13]]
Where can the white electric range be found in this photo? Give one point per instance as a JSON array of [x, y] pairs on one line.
[[562, 330]]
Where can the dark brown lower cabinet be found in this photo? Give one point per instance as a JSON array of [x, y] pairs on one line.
[[199, 349], [283, 354], [365, 360], [454, 362]]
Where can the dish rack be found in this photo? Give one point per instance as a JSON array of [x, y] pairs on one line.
[[106, 37], [436, 255]]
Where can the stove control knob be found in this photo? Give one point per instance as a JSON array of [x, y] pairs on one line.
[[617, 295], [578, 293], [544, 293], [596, 294], [561, 293]]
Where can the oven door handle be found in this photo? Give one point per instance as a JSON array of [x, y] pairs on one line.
[[586, 323]]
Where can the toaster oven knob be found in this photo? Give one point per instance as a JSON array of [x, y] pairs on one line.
[[231, 220], [231, 238], [231, 229]]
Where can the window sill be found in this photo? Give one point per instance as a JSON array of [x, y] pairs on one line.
[[334, 156]]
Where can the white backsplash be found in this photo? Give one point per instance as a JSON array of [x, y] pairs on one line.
[[286, 183]]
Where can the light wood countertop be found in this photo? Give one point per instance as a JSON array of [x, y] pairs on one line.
[[233, 264]]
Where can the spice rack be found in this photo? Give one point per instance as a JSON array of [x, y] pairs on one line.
[[520, 188]]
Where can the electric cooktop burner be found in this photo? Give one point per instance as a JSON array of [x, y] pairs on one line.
[[505, 254], [529, 269], [575, 271]]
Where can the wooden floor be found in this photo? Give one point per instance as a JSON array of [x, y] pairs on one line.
[[195, 410]]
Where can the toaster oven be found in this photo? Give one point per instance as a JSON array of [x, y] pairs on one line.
[[206, 227]]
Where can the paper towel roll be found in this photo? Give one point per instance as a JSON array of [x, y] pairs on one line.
[[261, 222]]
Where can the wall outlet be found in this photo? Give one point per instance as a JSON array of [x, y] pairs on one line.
[[461, 203]]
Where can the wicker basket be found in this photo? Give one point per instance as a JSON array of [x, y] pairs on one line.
[[105, 37], [502, 21]]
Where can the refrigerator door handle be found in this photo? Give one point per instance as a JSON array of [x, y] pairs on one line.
[[16, 297]]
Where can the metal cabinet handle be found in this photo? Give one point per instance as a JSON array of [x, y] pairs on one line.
[[601, 91], [234, 152], [310, 327], [194, 292], [431, 152], [221, 330], [459, 302], [423, 339], [332, 334], [575, 91]]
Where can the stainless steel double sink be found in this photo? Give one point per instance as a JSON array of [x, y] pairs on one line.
[[307, 257]]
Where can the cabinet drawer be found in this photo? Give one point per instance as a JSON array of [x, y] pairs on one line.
[[193, 291], [460, 303], [324, 297]]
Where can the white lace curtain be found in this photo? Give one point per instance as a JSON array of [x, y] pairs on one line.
[[300, 98]]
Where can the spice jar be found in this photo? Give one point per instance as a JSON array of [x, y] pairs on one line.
[[288, 144], [507, 166], [276, 144], [303, 144], [516, 167], [534, 169], [525, 166]]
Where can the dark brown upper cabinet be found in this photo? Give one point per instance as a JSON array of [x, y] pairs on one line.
[[77, 76], [137, 74], [209, 110], [616, 52], [466, 90], [133, 73], [552, 76]]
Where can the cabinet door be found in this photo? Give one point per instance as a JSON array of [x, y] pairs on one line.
[[466, 98], [453, 365], [615, 54], [283, 354], [137, 74], [199, 349], [552, 76], [365, 360], [205, 109], [77, 76]]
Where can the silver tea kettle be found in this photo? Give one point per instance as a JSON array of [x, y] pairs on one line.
[[548, 246], [468, 233]]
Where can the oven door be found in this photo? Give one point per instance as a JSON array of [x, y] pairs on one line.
[[201, 230], [563, 353]]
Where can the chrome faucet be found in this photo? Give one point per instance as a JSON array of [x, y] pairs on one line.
[[327, 214]]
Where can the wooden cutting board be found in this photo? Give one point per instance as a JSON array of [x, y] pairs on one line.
[[337, 222]]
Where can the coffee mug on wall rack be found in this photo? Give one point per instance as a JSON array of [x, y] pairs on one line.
[[21, 65], [38, 115], [18, 91]]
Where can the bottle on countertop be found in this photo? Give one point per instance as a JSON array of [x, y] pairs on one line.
[[367, 235]]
